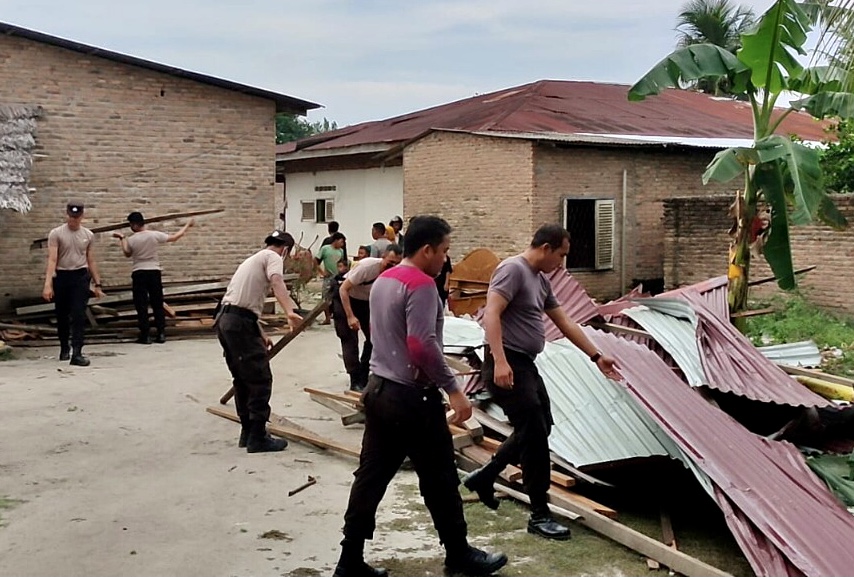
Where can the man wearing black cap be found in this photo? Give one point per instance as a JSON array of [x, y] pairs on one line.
[[70, 268], [147, 281], [243, 341]]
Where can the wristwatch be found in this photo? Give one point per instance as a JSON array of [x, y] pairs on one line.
[[594, 358], [97, 285]]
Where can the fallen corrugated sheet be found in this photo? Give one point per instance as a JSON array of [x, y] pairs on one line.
[[802, 354], [776, 501], [573, 299], [713, 292]]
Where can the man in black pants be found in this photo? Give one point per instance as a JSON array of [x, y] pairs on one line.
[[70, 268], [146, 275], [244, 343], [518, 295], [351, 312], [404, 412]]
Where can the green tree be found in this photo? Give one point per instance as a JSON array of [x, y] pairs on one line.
[[777, 171], [717, 22], [290, 127], [837, 159]]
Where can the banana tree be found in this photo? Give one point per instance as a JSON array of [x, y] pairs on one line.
[[777, 171]]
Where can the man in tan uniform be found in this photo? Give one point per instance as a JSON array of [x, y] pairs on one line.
[[244, 344], [70, 268], [146, 276]]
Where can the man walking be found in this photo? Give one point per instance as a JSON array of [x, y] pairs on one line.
[[70, 268], [243, 341], [351, 312], [518, 295], [146, 274], [404, 412], [327, 267]]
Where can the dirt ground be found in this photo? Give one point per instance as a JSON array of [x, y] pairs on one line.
[[116, 468]]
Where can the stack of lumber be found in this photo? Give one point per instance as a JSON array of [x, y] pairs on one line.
[[189, 308]]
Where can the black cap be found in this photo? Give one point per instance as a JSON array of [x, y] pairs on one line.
[[136, 218], [74, 208], [279, 237]]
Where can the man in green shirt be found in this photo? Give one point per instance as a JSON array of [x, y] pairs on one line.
[[327, 266]]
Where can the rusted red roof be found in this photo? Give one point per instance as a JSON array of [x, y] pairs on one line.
[[573, 299], [571, 107]]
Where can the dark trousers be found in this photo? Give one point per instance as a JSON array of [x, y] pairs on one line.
[[70, 297], [148, 289], [245, 354], [403, 421], [528, 408], [353, 363]]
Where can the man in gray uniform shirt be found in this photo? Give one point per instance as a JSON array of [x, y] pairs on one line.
[[518, 295], [146, 275], [70, 268]]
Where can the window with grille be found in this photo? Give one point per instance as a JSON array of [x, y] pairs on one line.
[[308, 212], [590, 223]]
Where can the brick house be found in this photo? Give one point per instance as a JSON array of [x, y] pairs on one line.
[[496, 166], [123, 134]]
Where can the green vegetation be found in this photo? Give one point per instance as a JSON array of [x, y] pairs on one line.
[[6, 503], [795, 320], [6, 354]]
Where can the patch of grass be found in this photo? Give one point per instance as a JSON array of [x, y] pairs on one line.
[[6, 353], [6, 503], [796, 319]]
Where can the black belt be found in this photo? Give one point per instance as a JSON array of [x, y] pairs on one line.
[[239, 311]]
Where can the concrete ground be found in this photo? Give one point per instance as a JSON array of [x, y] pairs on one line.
[[116, 468]]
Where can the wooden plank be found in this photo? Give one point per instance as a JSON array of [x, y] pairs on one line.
[[340, 397], [474, 429], [481, 456], [668, 537], [772, 279], [668, 556], [752, 313], [39, 242], [490, 443], [306, 322], [818, 374], [294, 434], [562, 479], [615, 328], [29, 328], [353, 418], [462, 440], [491, 422], [170, 312], [128, 297], [334, 404]]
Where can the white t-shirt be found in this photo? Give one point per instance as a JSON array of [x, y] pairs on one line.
[[363, 276], [143, 248], [251, 281], [71, 246]]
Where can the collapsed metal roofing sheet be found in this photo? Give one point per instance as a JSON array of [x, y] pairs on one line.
[[784, 519], [576, 108], [713, 292], [573, 299], [801, 354]]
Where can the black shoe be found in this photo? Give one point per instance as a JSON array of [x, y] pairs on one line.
[[143, 340], [356, 382], [79, 360], [244, 436], [481, 481], [259, 441], [545, 526], [160, 338], [64, 353], [475, 562], [360, 569]]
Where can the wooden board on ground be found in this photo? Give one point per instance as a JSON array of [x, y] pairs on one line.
[[817, 374], [340, 397]]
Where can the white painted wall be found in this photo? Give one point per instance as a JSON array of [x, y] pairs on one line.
[[362, 197]]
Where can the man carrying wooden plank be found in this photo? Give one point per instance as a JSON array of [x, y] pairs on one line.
[[404, 410], [351, 312], [243, 341], [146, 275], [70, 268], [518, 294]]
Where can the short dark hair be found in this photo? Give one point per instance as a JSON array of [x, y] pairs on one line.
[[395, 248], [550, 234], [423, 231], [379, 227], [332, 226], [281, 239], [337, 236]]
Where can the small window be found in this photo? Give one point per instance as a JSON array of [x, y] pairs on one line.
[[307, 210], [590, 224], [324, 209]]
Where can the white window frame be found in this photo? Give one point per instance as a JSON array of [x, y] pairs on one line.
[[604, 210]]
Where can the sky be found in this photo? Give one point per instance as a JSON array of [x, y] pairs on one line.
[[373, 59]]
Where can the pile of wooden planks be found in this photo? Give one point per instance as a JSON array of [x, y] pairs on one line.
[[189, 308]]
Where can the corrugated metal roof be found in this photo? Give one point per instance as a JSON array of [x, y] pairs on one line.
[[713, 292], [776, 501], [284, 103], [591, 109], [573, 299], [802, 354]]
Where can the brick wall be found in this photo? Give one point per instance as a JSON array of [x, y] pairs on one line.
[[696, 246], [597, 173], [124, 138], [482, 186]]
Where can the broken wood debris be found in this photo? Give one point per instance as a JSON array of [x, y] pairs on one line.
[[311, 481]]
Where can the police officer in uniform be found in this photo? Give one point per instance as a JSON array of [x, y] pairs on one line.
[[243, 341], [70, 269]]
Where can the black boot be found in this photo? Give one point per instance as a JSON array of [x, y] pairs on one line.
[[78, 359], [258, 441], [244, 434], [161, 337], [481, 481], [542, 524], [64, 352], [143, 339], [356, 382], [473, 561], [352, 561]]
